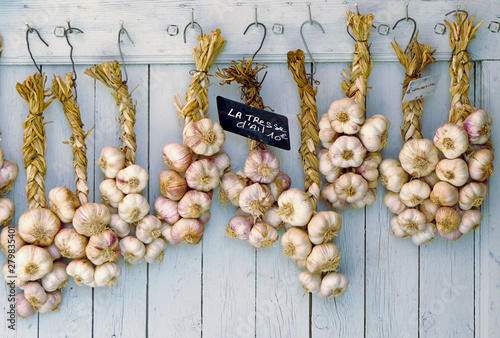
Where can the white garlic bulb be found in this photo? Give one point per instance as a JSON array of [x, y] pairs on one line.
[[481, 164], [453, 171], [70, 243], [81, 270], [177, 156], [452, 235], [326, 167], [56, 279], [172, 185], [334, 284], [328, 193], [255, 199], [107, 274], [262, 235], [119, 226], [369, 168], [326, 134], [194, 204], [54, 251], [167, 210], [32, 263], [111, 161], [373, 133], [324, 226], [232, 184], [414, 192], [148, 229], [411, 221], [424, 236], [24, 309], [10, 240], [347, 151], [311, 282], [470, 220], [202, 175], [444, 194], [478, 127], [296, 243], [281, 183], [472, 195], [63, 203], [132, 250], [91, 219], [53, 300], [155, 250], [8, 174], [222, 161], [431, 179], [39, 226], [239, 227], [369, 199], [166, 231], [189, 230], [110, 194], [418, 157], [262, 166], [103, 248], [392, 175], [295, 207], [35, 294], [346, 116], [392, 201], [429, 209], [452, 140], [204, 137], [273, 218], [133, 208], [447, 220], [132, 179], [396, 228], [351, 187], [7, 209], [324, 258]]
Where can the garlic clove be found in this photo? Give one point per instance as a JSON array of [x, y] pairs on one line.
[[334, 284], [111, 161], [262, 235], [481, 164], [392, 201], [8, 174], [478, 127], [296, 244], [239, 227], [324, 258], [56, 279], [204, 137], [472, 195], [326, 167], [155, 250], [324, 226], [110, 194], [81, 270], [452, 140], [133, 208], [470, 220], [70, 244], [10, 240], [392, 175], [63, 203], [7, 209], [189, 230], [132, 180], [256, 199], [418, 157], [24, 309], [103, 248], [447, 220], [91, 219], [231, 185], [295, 207], [373, 133], [194, 204], [262, 166], [310, 282], [425, 236], [167, 210], [453, 171], [396, 228], [132, 250], [346, 116], [444, 194], [148, 229], [166, 231], [107, 274], [119, 226], [177, 156], [172, 185], [414, 192], [351, 187], [411, 221], [39, 226], [202, 175], [347, 151]]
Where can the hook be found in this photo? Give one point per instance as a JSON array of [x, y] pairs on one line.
[[66, 31], [347, 27], [456, 11], [312, 23], [120, 32], [28, 31], [257, 23], [192, 24], [407, 19]]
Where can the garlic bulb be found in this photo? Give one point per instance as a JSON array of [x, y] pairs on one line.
[[296, 244], [155, 250], [52, 304], [369, 199], [295, 207], [148, 229], [35, 294], [481, 164], [193, 204], [107, 274], [166, 231], [478, 127], [110, 194], [205, 216], [263, 235], [431, 179], [323, 258], [112, 160], [103, 248], [132, 249], [8, 174], [324, 226], [7, 275], [392, 175], [281, 183], [396, 228], [172, 185], [429, 209], [204, 137], [262, 166], [167, 210], [392, 201], [81, 270], [273, 218], [472, 195], [133, 208], [56, 279], [414, 192], [346, 116], [373, 133], [70, 243], [310, 282], [328, 193], [132, 180], [32, 263], [63, 203], [24, 309], [119, 226], [452, 236], [334, 284], [326, 134], [222, 161], [453, 171], [301, 263], [189, 230], [411, 221], [347, 151], [239, 227], [424, 236], [39, 226], [202, 175], [10, 240], [54, 251], [177, 156], [326, 167], [452, 140], [256, 199], [232, 184], [418, 157], [470, 220], [447, 219], [7, 209], [369, 168], [444, 194], [91, 219], [351, 187]]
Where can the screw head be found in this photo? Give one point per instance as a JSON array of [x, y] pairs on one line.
[[59, 31], [383, 29], [494, 27], [172, 30], [278, 28], [440, 29]]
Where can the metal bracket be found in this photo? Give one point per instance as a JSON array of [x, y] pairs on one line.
[[278, 28], [172, 30]]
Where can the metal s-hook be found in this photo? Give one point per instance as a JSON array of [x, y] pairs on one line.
[[28, 31], [120, 32], [456, 11], [406, 18], [192, 24], [66, 31], [312, 23], [257, 23], [347, 27]]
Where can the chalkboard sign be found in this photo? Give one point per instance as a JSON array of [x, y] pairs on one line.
[[256, 124]]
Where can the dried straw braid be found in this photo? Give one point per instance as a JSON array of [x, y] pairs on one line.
[[196, 106], [309, 123], [418, 56], [110, 75], [243, 73], [33, 91], [63, 91], [460, 66], [362, 62]]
